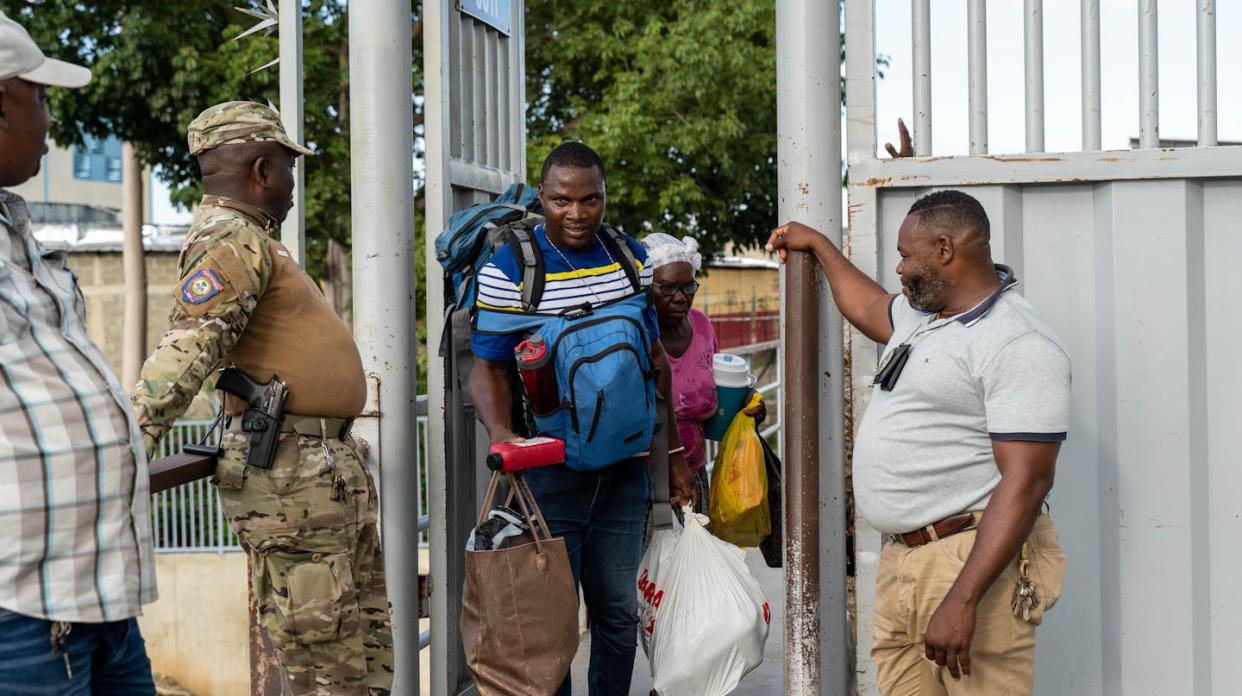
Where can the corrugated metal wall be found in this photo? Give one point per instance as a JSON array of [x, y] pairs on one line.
[[1140, 279]]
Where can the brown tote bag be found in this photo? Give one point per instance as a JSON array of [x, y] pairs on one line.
[[519, 608]]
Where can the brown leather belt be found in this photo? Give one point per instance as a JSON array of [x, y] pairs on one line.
[[939, 530]]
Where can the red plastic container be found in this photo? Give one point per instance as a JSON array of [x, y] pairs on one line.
[[534, 361], [527, 454]]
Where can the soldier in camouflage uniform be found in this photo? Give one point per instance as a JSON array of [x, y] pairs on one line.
[[308, 523]]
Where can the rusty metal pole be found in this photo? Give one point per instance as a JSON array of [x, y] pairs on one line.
[[818, 652]]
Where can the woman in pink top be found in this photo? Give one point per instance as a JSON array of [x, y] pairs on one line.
[[689, 342]]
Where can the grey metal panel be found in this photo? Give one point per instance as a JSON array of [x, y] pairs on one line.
[[453, 68], [482, 94], [491, 103], [504, 103], [1222, 208], [1137, 278], [475, 149], [1055, 220], [478, 113], [1052, 168]]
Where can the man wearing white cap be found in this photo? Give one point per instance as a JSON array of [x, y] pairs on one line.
[[76, 561]]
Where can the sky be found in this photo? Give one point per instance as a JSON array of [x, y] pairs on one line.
[[1062, 86], [1062, 76]]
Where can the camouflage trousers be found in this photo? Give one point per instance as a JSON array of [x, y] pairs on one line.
[[309, 526]]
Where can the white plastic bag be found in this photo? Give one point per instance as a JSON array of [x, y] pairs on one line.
[[704, 619]]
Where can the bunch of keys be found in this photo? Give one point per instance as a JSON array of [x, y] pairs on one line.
[[1025, 597], [60, 631], [338, 482]]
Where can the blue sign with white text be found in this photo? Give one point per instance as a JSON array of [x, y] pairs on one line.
[[495, 13]]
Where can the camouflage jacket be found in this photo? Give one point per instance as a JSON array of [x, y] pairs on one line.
[[225, 268]]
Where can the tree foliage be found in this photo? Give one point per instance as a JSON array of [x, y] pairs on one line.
[[678, 98], [157, 64]]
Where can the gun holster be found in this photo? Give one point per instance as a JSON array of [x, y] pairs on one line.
[[263, 416], [264, 433]]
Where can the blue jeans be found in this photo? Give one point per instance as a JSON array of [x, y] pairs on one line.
[[601, 514], [106, 658]]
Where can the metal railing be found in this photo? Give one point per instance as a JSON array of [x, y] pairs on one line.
[[190, 519], [1033, 71]]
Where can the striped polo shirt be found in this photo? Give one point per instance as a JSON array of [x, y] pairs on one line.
[[571, 279], [75, 526]]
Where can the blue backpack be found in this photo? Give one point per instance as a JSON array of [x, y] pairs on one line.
[[602, 354], [475, 232], [603, 368]]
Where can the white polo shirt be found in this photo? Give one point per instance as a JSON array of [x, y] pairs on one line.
[[995, 372]]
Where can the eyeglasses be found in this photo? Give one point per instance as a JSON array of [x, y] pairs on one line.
[[687, 289]]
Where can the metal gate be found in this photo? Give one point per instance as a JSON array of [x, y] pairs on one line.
[[476, 148], [1130, 256]]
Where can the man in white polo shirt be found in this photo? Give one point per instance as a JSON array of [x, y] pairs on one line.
[[956, 453]]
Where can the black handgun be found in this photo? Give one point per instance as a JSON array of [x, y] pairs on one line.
[[265, 409]]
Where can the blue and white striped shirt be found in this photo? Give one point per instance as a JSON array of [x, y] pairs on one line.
[[571, 279], [75, 525]]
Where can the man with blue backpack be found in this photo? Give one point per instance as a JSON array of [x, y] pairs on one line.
[[583, 287]]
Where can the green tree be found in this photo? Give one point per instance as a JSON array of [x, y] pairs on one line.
[[157, 64], [678, 98]]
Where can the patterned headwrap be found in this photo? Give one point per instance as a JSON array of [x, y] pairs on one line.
[[663, 249]]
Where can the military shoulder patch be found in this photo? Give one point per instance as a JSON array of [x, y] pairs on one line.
[[200, 286]]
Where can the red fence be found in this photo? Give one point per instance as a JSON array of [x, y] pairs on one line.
[[744, 328]]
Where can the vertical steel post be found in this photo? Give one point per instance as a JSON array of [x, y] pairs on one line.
[[1091, 75], [293, 231], [818, 652], [1033, 35], [381, 173], [134, 266], [437, 90], [1205, 36], [977, 50], [1149, 77], [920, 19]]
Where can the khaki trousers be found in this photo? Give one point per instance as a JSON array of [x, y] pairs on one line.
[[910, 586]]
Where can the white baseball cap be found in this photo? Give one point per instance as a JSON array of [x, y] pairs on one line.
[[20, 57]]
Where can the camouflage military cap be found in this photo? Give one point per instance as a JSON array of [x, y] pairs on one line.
[[238, 122]]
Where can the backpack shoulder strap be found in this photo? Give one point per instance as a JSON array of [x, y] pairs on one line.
[[614, 241], [663, 513], [526, 251]]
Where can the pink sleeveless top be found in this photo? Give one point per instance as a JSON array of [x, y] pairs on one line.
[[694, 389]]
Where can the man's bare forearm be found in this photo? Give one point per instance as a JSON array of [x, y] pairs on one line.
[[493, 400], [1006, 522]]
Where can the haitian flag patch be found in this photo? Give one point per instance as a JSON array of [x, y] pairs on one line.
[[202, 285]]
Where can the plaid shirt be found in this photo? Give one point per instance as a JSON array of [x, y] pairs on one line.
[[75, 525]]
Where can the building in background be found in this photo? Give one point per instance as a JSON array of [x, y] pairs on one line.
[[81, 184], [741, 296], [75, 204]]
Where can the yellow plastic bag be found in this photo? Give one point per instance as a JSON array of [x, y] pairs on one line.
[[739, 493]]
